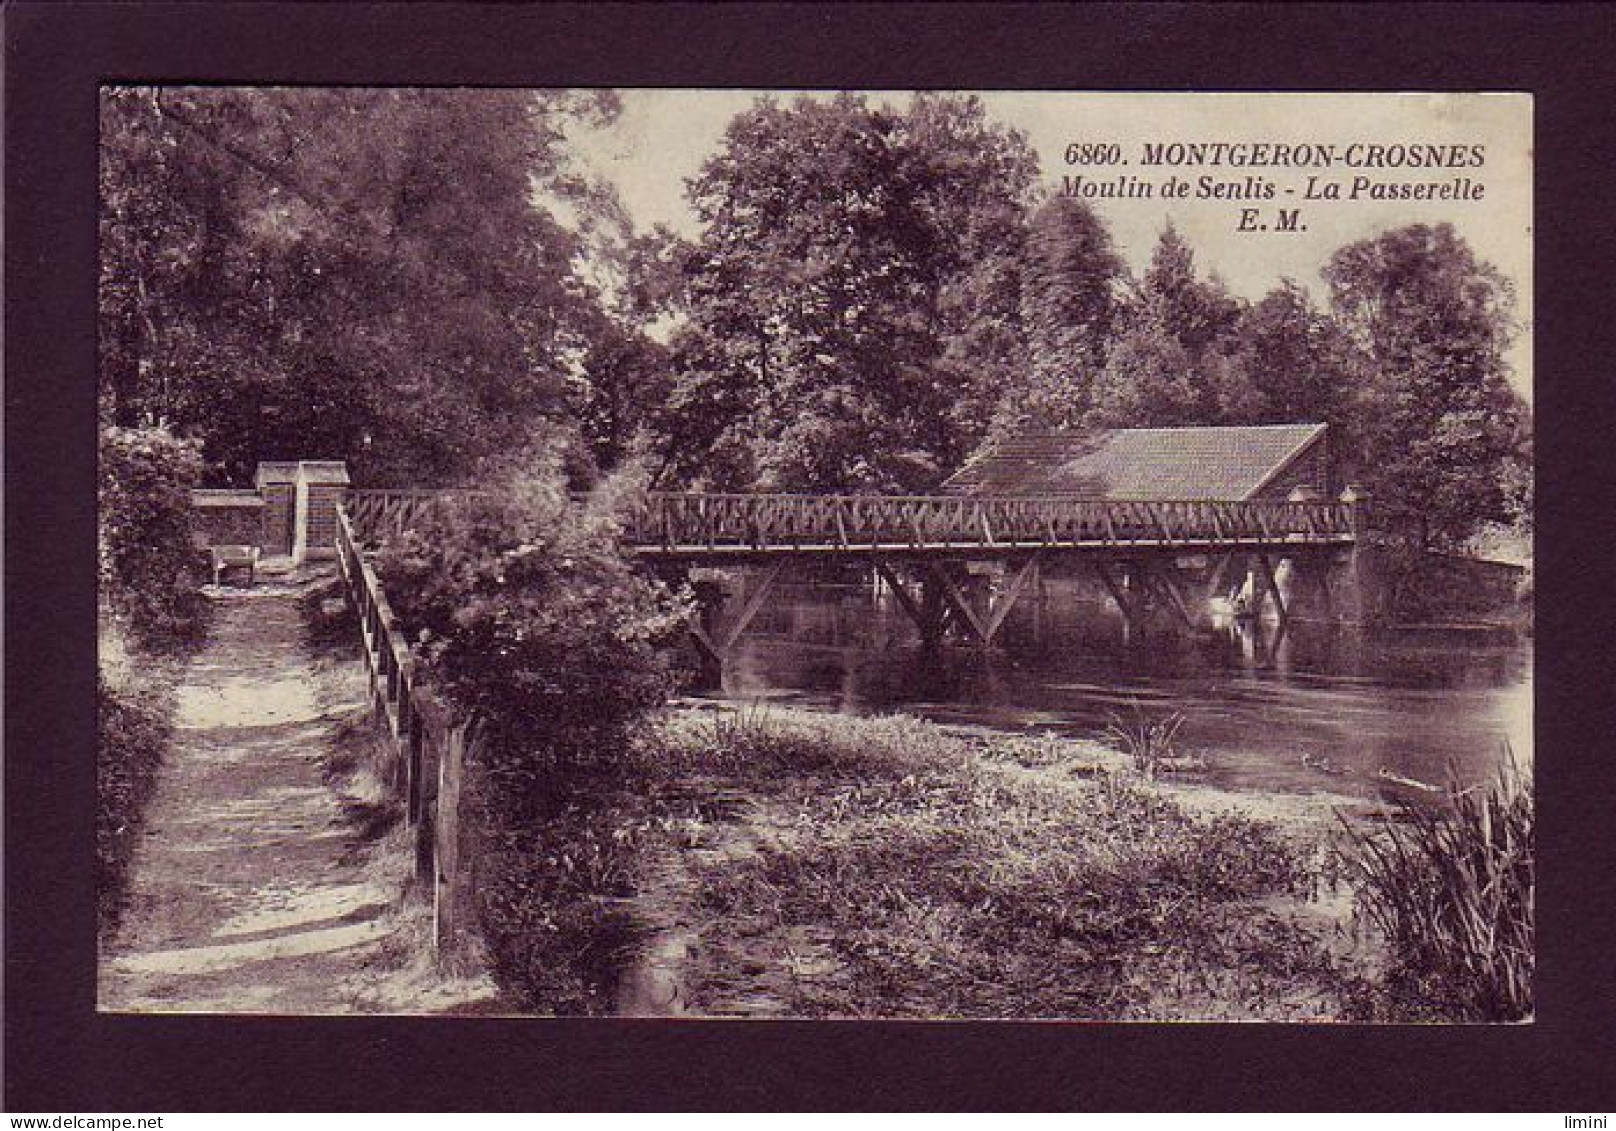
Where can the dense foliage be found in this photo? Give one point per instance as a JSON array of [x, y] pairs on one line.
[[132, 732], [1452, 888], [527, 617], [349, 273], [149, 563], [852, 305], [1070, 305], [1447, 436]]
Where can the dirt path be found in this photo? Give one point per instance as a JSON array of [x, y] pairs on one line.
[[251, 889]]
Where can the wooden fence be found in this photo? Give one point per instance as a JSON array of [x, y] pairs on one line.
[[429, 748]]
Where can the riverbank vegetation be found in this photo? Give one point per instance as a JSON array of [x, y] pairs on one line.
[[1452, 889], [773, 862], [885, 868], [782, 863]]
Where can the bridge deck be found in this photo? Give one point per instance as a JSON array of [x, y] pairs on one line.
[[688, 525]]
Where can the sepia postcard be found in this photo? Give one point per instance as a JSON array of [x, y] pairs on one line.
[[862, 554]]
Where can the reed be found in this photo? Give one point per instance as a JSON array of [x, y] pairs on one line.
[[1147, 739], [1451, 888]]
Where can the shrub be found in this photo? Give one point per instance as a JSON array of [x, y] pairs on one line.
[[1451, 888], [148, 554], [553, 906], [131, 737], [524, 612]]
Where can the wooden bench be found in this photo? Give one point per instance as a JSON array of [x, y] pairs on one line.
[[234, 557]]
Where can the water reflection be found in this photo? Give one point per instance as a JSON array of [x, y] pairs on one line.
[[1266, 707]]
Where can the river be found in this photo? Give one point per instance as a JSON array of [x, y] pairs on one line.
[[1312, 709]]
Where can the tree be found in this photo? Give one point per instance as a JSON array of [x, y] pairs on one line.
[[1149, 380], [1069, 307], [1199, 313], [623, 377], [355, 273], [980, 186], [1171, 355], [1292, 363], [852, 303], [1446, 430]]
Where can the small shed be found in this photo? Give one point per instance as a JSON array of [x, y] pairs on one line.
[[1225, 463]]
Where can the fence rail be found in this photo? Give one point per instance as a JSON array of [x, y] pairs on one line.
[[429, 747], [680, 523]]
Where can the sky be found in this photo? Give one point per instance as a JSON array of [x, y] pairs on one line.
[[663, 136]]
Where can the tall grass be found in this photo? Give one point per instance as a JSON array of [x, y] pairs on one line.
[[1451, 887]]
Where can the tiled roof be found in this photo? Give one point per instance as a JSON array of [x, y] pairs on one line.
[[1231, 462]]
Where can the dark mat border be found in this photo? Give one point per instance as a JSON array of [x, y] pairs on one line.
[[61, 1056]]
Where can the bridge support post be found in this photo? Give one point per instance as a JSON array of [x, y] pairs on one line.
[[1271, 584], [1126, 603], [982, 624], [926, 611], [1161, 576], [945, 591], [717, 642], [1357, 584], [943, 598], [1359, 575]]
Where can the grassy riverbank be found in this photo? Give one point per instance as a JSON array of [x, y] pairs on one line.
[[885, 868], [783, 863]]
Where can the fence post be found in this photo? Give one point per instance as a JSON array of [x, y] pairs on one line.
[[447, 890]]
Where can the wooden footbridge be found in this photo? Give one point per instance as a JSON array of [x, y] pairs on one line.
[[930, 549], [714, 527]]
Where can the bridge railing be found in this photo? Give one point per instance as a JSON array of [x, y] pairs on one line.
[[378, 513], [674, 522]]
